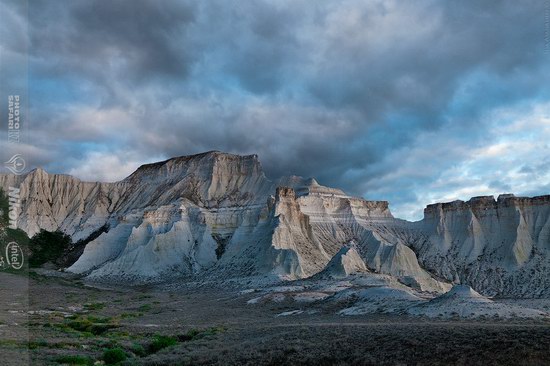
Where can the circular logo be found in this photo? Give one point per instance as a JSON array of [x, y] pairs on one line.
[[14, 255]]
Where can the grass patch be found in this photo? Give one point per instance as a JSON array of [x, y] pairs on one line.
[[9, 343], [98, 319], [145, 307], [116, 334], [138, 350], [114, 355], [41, 343], [107, 343], [89, 325], [74, 360], [160, 342]]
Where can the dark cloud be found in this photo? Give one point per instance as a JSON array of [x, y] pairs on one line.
[[380, 98]]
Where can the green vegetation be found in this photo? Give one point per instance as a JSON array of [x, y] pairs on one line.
[[9, 343], [37, 344], [43, 247], [42, 343], [161, 342], [4, 208], [138, 350], [47, 246], [74, 360], [89, 325], [114, 355], [130, 315], [145, 307], [110, 347]]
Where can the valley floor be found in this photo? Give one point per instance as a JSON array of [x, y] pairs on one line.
[[56, 321]]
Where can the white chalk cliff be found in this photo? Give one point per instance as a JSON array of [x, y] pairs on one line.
[[497, 246], [216, 215]]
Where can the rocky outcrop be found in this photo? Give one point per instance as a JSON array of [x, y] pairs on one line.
[[499, 247], [56, 201], [216, 215], [317, 224], [345, 263]]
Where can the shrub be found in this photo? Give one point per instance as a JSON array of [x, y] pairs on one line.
[[113, 356], [160, 342], [190, 335], [138, 350], [74, 360], [46, 246], [91, 324]]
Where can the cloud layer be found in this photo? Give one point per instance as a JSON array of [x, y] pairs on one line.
[[413, 102]]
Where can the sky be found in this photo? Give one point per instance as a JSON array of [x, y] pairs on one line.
[[410, 102]]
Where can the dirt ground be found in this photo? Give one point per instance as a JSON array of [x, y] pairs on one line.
[[56, 321]]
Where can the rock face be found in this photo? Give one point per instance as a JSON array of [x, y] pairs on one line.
[[345, 263], [54, 201], [499, 247], [216, 215]]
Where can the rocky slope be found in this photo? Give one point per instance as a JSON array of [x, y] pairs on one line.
[[216, 215]]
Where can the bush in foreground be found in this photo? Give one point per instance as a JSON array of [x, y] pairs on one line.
[[113, 356]]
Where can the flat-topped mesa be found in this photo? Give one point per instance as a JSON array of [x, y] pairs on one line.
[[475, 203], [482, 202], [511, 200], [467, 241], [485, 203], [207, 163], [211, 179]]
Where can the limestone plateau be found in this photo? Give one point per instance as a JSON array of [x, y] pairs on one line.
[[215, 216]]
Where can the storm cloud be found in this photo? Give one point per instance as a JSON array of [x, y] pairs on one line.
[[413, 102]]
